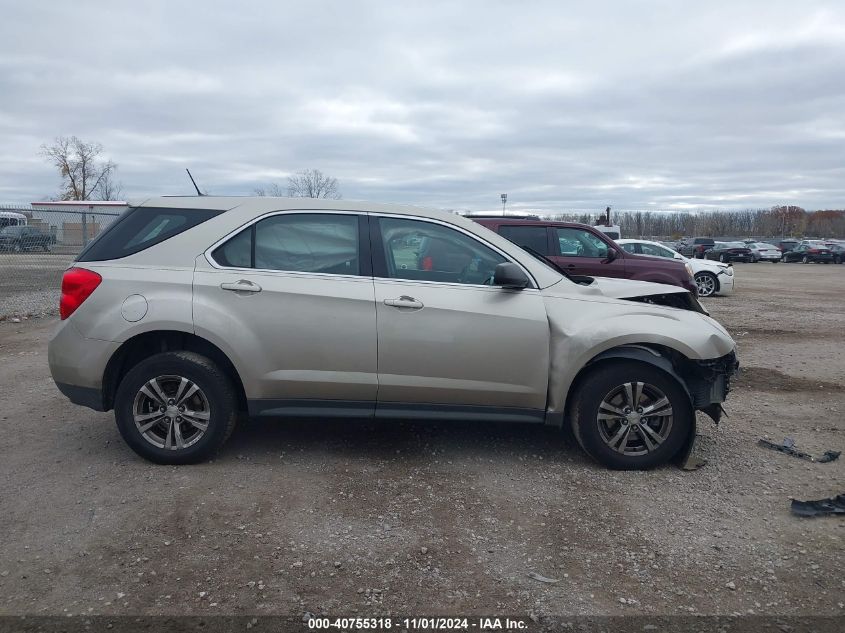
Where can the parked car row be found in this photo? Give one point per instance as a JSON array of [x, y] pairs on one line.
[[788, 250], [187, 313]]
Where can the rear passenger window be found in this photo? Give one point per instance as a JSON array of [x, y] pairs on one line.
[[236, 252], [313, 243], [141, 227], [534, 237]]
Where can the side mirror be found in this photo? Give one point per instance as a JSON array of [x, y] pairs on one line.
[[509, 275], [611, 255]]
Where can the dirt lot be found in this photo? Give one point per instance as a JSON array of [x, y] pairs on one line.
[[361, 518]]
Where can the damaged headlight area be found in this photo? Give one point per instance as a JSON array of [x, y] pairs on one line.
[[680, 300], [709, 381]]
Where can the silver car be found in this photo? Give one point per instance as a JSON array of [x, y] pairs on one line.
[[189, 312]]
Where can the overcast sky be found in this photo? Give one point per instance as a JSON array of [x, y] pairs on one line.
[[562, 105]]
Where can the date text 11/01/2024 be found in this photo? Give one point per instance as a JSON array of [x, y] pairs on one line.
[[419, 624]]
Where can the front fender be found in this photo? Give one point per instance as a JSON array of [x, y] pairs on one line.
[[582, 330]]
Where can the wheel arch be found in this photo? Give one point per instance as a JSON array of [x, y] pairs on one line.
[[712, 274], [141, 346], [658, 356]]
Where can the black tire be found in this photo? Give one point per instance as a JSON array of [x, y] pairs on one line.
[[713, 288], [46, 247], [215, 386], [723, 259], [805, 260], [599, 383]]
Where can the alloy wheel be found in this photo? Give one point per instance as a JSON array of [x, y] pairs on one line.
[[171, 412], [706, 285], [635, 418]]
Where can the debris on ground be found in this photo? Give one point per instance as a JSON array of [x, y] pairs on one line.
[[788, 447], [538, 577], [820, 507]]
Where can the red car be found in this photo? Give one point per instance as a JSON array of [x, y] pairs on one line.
[[580, 249]]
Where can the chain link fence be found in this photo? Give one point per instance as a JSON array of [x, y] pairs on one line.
[[37, 244]]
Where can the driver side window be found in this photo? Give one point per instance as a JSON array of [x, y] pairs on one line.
[[580, 243], [424, 251], [656, 251]]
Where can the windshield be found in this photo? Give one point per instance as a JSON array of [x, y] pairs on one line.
[[764, 246], [731, 245]]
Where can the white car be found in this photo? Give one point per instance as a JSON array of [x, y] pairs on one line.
[[763, 252], [712, 278]]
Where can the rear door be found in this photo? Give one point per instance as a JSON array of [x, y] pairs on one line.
[[581, 252], [448, 341], [293, 293]]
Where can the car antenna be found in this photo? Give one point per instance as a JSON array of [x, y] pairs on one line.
[[194, 182]]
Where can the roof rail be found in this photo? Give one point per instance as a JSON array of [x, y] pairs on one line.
[[500, 216]]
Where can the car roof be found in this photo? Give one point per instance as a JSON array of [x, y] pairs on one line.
[[487, 219], [225, 203]]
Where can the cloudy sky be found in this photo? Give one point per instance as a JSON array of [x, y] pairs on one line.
[[563, 105]]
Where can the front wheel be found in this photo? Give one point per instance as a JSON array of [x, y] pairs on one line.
[[707, 284], [175, 408], [631, 416], [805, 260], [723, 259]]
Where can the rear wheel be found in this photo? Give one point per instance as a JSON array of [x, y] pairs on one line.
[[805, 260], [175, 408], [707, 284], [631, 416], [723, 259]]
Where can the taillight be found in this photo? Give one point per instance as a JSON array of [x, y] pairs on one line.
[[814, 251], [77, 286]]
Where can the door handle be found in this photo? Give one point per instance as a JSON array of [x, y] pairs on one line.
[[404, 302], [241, 285]]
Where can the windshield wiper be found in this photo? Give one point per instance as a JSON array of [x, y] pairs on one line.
[[584, 280]]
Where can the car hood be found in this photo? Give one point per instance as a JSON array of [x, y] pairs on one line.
[[627, 288], [606, 288]]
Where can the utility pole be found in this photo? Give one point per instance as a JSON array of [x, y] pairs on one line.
[[504, 202]]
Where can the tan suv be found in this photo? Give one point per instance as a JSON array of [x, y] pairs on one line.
[[187, 312]]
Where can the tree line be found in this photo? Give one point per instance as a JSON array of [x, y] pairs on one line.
[[779, 221]]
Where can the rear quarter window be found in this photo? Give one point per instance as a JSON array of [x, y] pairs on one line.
[[141, 227]]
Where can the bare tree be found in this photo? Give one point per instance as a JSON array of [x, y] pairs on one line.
[[312, 183], [274, 190], [80, 166], [109, 188]]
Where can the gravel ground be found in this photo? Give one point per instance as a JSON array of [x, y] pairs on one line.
[[362, 518]]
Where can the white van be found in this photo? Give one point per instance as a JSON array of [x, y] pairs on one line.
[[10, 218]]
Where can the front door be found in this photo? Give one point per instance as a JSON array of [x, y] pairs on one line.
[[448, 340], [294, 293]]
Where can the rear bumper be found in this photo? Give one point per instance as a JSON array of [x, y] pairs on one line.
[[77, 364], [85, 396]]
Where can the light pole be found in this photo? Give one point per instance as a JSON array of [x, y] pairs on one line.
[[504, 202]]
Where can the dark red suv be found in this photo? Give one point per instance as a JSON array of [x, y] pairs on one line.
[[581, 249]]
